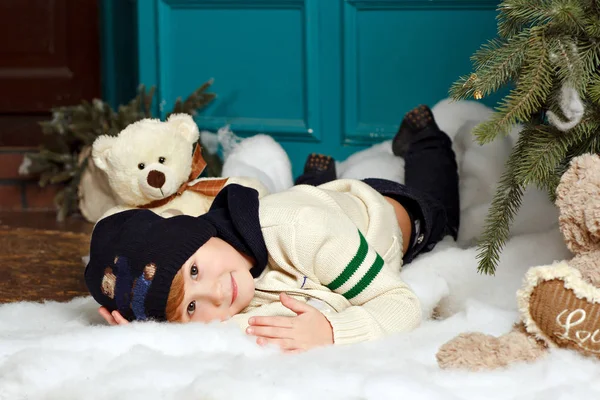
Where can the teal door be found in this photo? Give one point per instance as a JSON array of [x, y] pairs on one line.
[[329, 76]]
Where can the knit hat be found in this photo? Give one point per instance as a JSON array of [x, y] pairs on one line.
[[135, 254]]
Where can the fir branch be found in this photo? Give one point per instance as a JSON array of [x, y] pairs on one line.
[[516, 14], [545, 148], [506, 202], [197, 100], [561, 51], [590, 55], [554, 180], [592, 26], [492, 53], [590, 143], [147, 99], [588, 5], [594, 144], [528, 97], [585, 140], [594, 89], [567, 15], [496, 63], [571, 69], [537, 157], [507, 27]]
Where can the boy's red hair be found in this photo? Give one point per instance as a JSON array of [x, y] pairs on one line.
[[173, 311]]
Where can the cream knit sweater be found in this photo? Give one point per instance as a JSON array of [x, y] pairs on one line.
[[340, 244]]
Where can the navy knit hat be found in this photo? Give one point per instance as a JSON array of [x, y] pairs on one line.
[[135, 254]]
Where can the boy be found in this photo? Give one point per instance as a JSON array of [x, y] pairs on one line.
[[306, 267]]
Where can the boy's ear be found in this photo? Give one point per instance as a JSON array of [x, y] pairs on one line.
[[101, 151], [185, 126]]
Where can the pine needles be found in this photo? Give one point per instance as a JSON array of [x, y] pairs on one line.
[[543, 47]]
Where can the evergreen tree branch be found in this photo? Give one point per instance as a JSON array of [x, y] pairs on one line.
[[513, 15], [492, 53], [590, 55], [195, 101], [592, 26], [496, 63], [528, 97], [586, 140], [588, 5], [571, 69], [507, 200], [546, 148], [147, 99], [539, 154], [594, 89], [561, 51], [568, 15]]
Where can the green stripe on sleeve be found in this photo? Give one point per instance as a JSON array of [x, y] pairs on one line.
[[366, 280], [352, 266]]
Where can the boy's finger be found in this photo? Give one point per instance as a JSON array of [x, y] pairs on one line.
[[269, 332], [282, 322], [284, 344], [119, 318], [107, 316], [295, 305]]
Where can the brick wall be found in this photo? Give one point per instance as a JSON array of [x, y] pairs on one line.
[[21, 192]]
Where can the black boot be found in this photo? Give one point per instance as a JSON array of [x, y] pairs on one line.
[[318, 169], [429, 162], [414, 121]]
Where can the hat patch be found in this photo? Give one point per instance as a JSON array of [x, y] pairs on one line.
[[108, 283], [118, 284], [140, 290]]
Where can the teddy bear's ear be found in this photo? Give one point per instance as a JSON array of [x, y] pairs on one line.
[[101, 150], [579, 168], [184, 125]]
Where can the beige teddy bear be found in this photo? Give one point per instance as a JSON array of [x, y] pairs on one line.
[[559, 304], [151, 164]]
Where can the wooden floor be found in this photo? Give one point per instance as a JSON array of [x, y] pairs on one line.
[[44, 220], [41, 259]]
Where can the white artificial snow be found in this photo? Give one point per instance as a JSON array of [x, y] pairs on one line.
[[571, 106], [64, 350]]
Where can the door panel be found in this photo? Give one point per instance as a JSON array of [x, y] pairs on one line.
[[398, 54], [49, 57], [260, 57]]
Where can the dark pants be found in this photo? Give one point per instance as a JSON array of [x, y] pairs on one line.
[[430, 191]]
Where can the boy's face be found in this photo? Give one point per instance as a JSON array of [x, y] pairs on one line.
[[217, 283]]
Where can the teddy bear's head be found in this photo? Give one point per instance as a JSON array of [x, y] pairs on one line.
[[149, 159], [578, 200]]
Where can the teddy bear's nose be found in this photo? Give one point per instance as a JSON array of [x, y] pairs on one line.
[[156, 179]]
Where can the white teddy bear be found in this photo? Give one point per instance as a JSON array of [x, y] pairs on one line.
[[150, 164]]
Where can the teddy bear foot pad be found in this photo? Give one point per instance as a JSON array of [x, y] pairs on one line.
[[567, 316]]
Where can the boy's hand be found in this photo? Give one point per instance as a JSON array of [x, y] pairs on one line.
[[308, 329], [113, 319]]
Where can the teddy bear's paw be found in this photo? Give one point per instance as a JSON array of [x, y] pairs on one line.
[[473, 351], [478, 351], [566, 314]]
